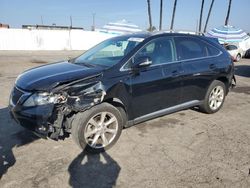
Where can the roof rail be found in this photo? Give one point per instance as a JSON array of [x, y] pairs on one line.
[[174, 31]]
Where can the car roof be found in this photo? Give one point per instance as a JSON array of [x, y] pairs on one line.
[[148, 35], [160, 33]]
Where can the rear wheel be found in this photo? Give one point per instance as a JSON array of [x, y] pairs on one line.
[[214, 98], [98, 128], [238, 58]]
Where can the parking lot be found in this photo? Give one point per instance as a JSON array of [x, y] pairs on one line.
[[184, 149]]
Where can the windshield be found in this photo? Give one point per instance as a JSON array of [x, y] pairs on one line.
[[109, 52]]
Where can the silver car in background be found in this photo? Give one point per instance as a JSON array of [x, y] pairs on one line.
[[235, 51]]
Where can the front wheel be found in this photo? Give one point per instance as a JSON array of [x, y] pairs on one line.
[[214, 98], [98, 128]]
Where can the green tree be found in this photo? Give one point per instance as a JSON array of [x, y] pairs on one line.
[[149, 16], [173, 16], [161, 5], [228, 12], [153, 28], [201, 13], [208, 16]]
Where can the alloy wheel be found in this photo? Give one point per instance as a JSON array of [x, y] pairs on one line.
[[101, 130], [216, 98], [238, 57]]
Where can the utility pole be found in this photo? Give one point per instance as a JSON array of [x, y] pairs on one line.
[[93, 24], [70, 21], [42, 20]]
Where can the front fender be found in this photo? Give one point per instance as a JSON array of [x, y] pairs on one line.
[[120, 93]]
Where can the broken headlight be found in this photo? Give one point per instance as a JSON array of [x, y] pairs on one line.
[[38, 99]]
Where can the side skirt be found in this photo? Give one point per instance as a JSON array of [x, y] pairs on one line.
[[163, 112]]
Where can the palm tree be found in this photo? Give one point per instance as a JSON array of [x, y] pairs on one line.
[[149, 16], [228, 12], [173, 15], [200, 23], [161, 5], [208, 16]]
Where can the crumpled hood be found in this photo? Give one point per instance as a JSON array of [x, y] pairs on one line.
[[45, 78]]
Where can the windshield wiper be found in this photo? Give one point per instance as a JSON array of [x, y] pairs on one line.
[[86, 64]]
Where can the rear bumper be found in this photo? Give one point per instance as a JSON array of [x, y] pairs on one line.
[[233, 82], [231, 77]]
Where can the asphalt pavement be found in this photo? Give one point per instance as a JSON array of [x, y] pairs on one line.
[[184, 149]]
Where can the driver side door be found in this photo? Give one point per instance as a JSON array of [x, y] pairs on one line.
[[153, 89]]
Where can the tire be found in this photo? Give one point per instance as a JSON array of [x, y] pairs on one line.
[[238, 58], [214, 98], [90, 132], [124, 116], [247, 55]]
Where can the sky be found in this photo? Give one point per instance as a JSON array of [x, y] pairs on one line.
[[22, 12]]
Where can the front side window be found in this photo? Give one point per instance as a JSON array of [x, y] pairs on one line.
[[159, 50], [109, 52]]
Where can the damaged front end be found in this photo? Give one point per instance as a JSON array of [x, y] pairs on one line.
[[72, 98], [50, 113]]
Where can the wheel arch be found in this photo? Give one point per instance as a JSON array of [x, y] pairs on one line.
[[116, 102], [119, 96], [224, 80]]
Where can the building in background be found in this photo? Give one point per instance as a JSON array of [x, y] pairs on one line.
[[50, 27], [6, 26]]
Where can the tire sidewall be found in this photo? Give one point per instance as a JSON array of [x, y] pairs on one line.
[[86, 116], [206, 106], [238, 57]]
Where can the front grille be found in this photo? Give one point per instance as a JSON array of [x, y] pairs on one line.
[[16, 95]]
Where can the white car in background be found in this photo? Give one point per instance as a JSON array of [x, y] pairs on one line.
[[234, 50]]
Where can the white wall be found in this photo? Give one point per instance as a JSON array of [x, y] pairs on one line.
[[25, 39]]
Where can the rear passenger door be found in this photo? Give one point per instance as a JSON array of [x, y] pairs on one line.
[[198, 62]]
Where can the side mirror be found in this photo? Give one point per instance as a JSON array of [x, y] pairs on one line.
[[70, 60], [143, 61]]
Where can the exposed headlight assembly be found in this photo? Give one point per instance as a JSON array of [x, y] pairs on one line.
[[40, 99]]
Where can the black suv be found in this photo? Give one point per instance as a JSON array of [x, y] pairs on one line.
[[121, 82]]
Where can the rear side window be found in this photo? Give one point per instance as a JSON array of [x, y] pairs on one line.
[[192, 48], [212, 51], [231, 47]]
